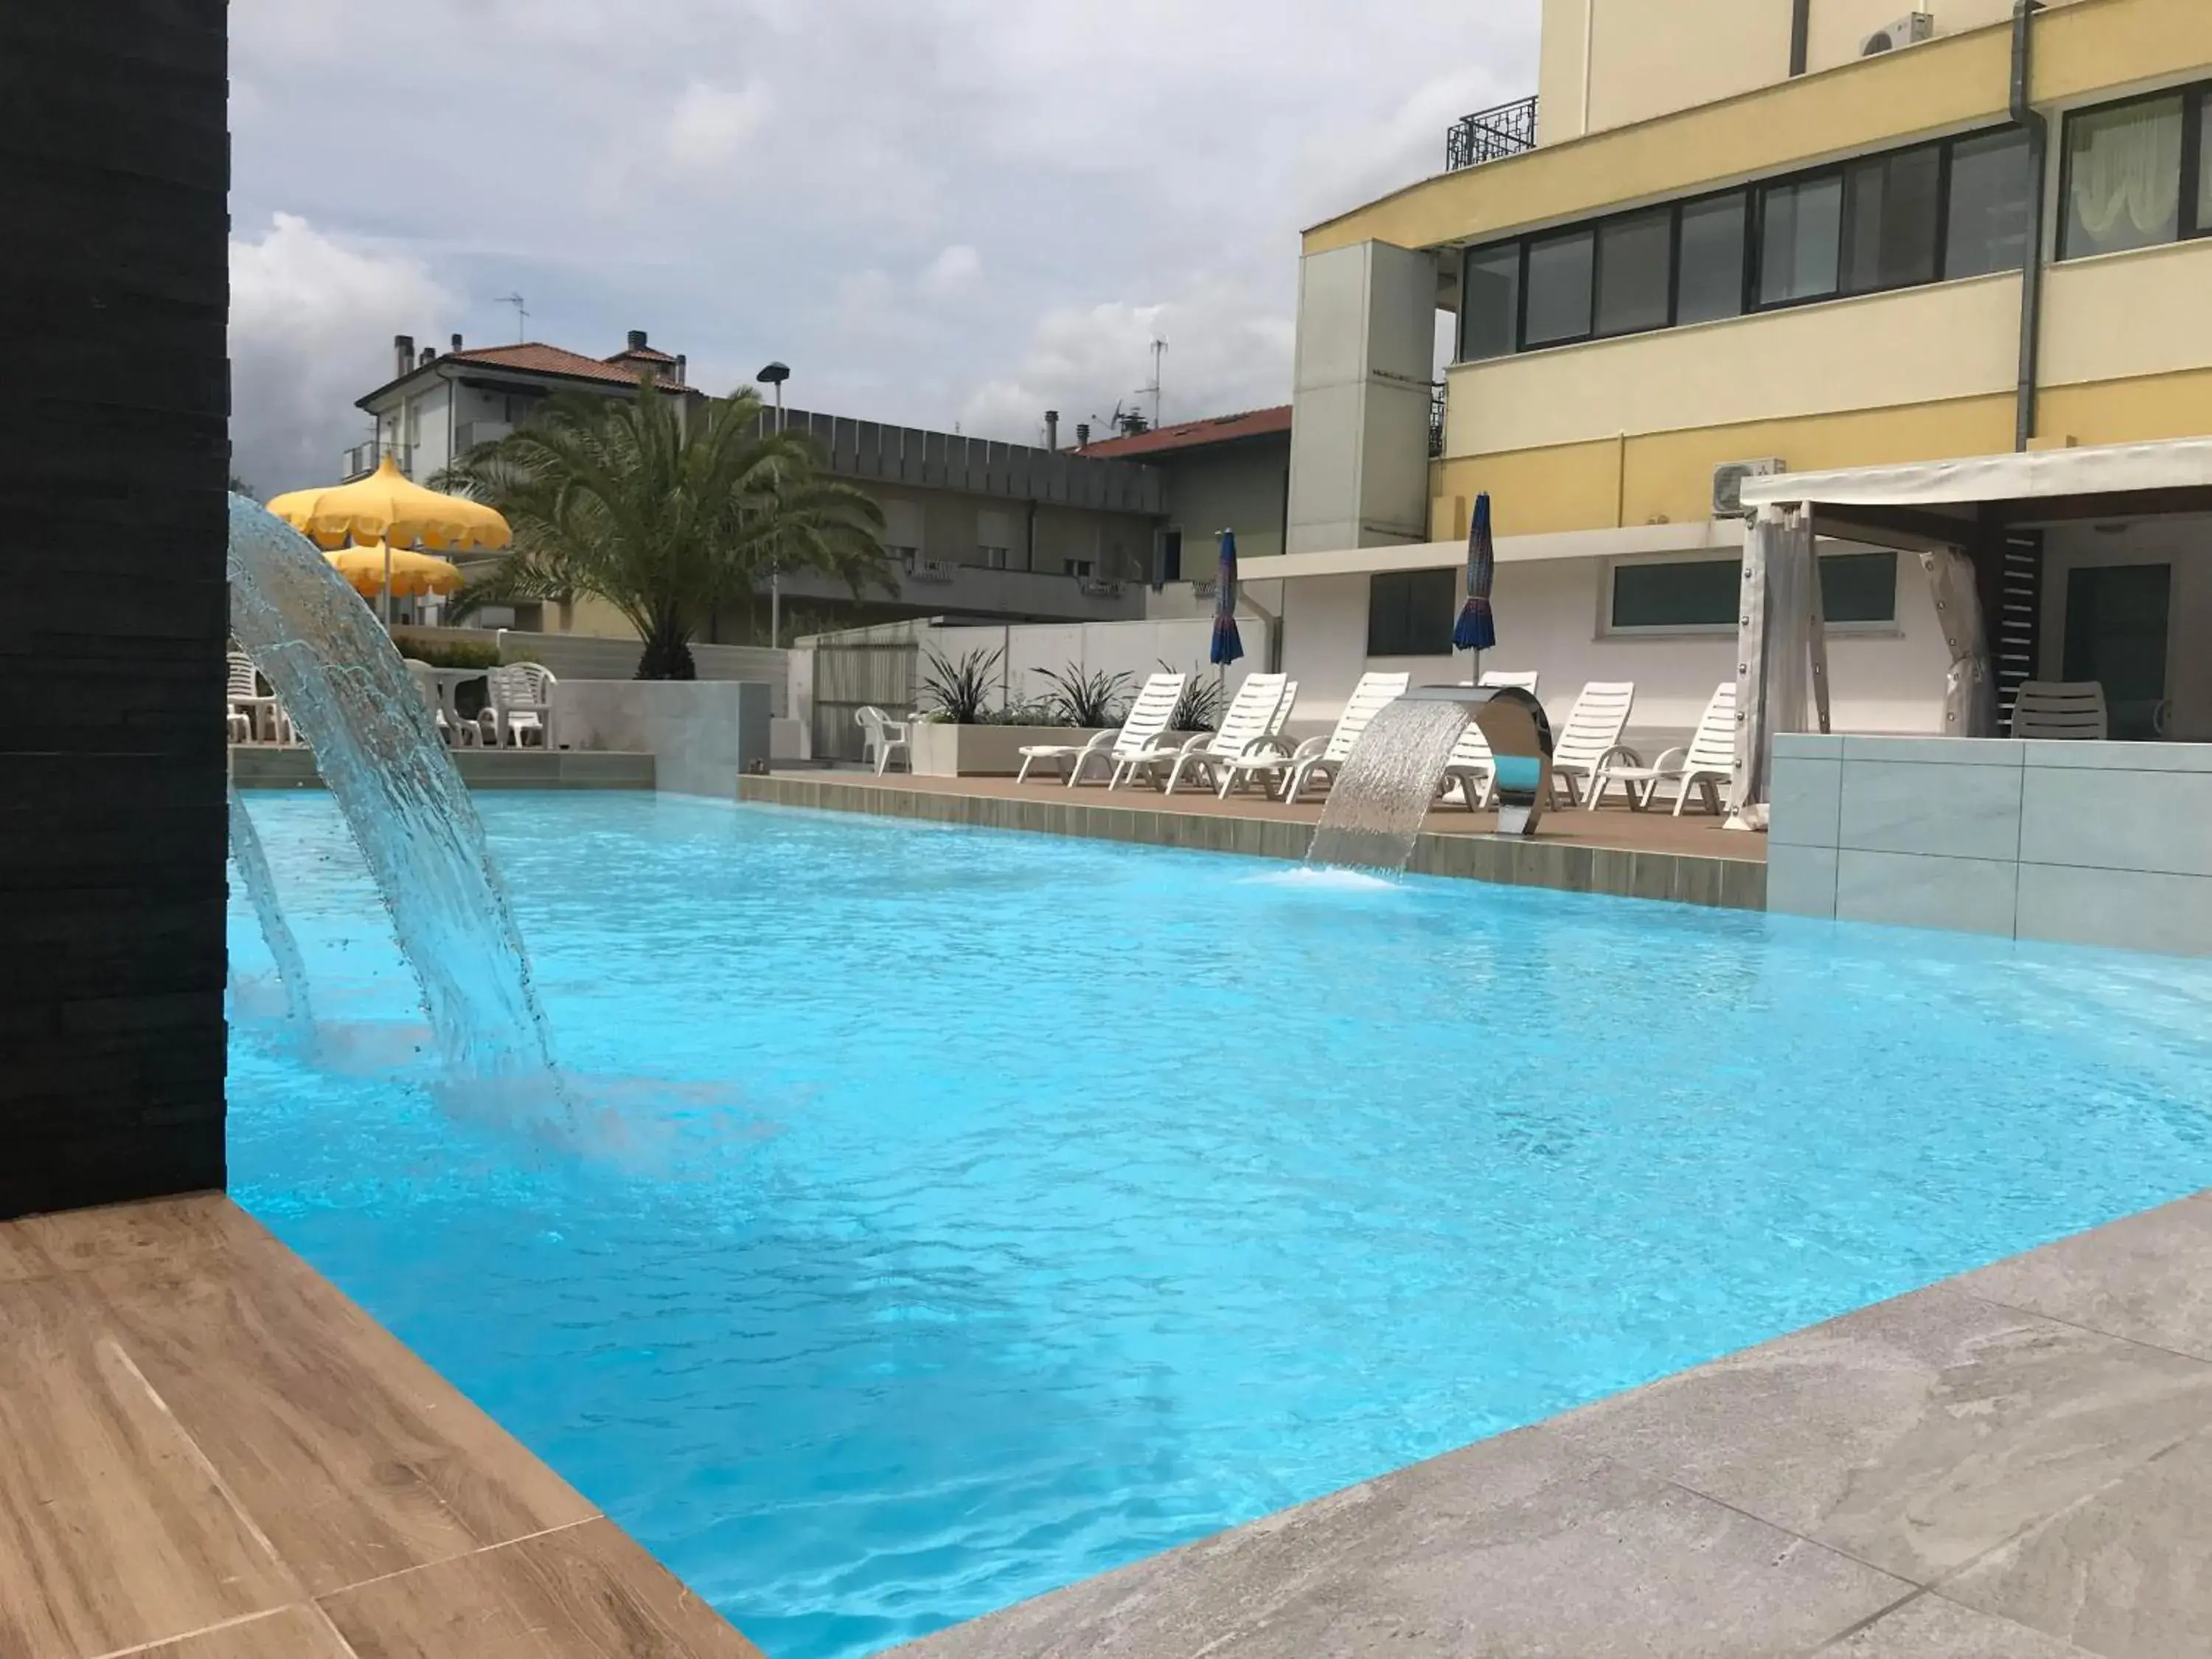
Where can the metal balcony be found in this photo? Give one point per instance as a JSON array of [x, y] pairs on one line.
[[1491, 135], [360, 459]]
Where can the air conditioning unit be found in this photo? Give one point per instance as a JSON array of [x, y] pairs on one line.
[[1727, 483], [1909, 30]]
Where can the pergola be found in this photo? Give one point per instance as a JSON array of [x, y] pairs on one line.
[[1957, 516]]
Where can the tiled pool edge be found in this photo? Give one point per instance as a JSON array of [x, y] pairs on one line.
[[2016, 1460], [256, 766], [1569, 867]]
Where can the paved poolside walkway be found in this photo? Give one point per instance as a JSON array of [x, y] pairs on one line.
[[1689, 860], [206, 1452], [2015, 1464]]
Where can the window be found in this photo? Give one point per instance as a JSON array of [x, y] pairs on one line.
[[1082, 568], [1558, 296], [996, 558], [1410, 612], [1709, 284], [1490, 302], [2124, 176], [1892, 219], [1858, 587], [1800, 247], [1990, 190], [1634, 255], [1171, 556], [1699, 593], [2203, 225]]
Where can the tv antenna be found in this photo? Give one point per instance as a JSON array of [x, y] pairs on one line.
[[521, 315], [1152, 391]]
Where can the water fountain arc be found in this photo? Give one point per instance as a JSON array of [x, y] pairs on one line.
[[347, 691], [1373, 817]]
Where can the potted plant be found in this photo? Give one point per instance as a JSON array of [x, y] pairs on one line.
[[960, 735]]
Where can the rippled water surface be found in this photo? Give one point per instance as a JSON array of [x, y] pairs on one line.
[[959, 1214]]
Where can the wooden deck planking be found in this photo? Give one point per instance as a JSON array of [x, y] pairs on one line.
[[207, 1452]]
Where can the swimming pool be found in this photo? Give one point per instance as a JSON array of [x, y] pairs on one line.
[[964, 1213]]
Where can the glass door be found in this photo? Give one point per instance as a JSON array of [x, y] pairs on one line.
[[2116, 633]]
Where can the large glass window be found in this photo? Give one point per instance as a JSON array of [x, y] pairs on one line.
[[1858, 587], [1991, 186], [2203, 225], [1709, 282], [1490, 302], [1560, 270], [1892, 219], [2124, 177], [1800, 246], [1410, 612], [1687, 593], [1634, 259]]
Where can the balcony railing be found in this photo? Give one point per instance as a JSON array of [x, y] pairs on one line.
[[361, 460], [1491, 135]]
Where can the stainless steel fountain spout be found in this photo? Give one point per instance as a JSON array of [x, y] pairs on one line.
[[1513, 724]]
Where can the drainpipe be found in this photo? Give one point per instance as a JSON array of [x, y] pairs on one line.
[[1590, 45], [2028, 117], [1800, 35]]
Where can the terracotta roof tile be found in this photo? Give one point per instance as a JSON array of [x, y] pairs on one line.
[[534, 357], [1191, 434]]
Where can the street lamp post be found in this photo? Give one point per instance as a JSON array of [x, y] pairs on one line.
[[774, 375]]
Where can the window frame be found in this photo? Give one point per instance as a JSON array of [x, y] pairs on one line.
[[1893, 627], [2196, 106]]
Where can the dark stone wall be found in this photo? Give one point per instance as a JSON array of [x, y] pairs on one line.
[[114, 167]]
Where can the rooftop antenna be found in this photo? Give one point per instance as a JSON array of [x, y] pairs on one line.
[[1159, 350], [521, 315]]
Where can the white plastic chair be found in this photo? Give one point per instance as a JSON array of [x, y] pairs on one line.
[[1267, 761], [1148, 718], [882, 737], [1589, 744], [425, 676], [1705, 766], [1244, 728], [2064, 710], [1325, 756], [250, 703], [521, 702]]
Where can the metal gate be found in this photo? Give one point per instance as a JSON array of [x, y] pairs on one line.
[[850, 677]]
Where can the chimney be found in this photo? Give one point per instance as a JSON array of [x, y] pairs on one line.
[[680, 360], [1083, 434], [403, 348], [429, 356], [637, 339], [456, 342], [1052, 430]]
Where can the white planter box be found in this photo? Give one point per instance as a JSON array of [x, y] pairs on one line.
[[982, 751]]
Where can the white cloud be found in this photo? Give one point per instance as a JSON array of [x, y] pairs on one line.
[[710, 123], [310, 326], [952, 272]]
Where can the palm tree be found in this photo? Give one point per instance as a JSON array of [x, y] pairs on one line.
[[663, 512]]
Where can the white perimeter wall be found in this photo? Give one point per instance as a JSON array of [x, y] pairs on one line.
[[1134, 648], [1549, 614]]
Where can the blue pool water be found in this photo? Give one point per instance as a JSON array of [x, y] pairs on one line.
[[960, 1214]]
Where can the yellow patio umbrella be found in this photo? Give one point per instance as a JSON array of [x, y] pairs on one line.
[[386, 508], [410, 574]]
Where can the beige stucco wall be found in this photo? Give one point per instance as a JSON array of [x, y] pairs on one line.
[[1923, 345], [1243, 487], [2127, 314], [1837, 26]]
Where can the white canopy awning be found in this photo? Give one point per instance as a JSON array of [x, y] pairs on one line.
[[2150, 472]]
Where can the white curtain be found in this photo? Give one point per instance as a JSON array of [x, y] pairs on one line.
[[2126, 177], [1970, 704], [1780, 653]]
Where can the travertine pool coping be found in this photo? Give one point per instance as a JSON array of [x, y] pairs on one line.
[[2012, 1464]]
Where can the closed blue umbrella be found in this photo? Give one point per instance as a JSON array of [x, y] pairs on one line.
[[1228, 644], [1476, 629]]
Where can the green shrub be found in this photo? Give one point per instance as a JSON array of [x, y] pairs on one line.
[[445, 653]]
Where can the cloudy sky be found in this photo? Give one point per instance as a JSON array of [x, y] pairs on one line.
[[940, 212]]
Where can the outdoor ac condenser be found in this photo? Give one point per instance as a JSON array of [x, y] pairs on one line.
[[1727, 483], [1909, 30]]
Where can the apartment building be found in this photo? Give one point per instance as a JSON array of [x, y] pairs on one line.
[[1736, 237], [978, 531]]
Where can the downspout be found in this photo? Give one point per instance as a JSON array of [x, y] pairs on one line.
[[1801, 36], [2026, 116], [1589, 43]]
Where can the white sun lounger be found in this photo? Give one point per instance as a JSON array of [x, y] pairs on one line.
[[2064, 710], [1325, 756], [1148, 718], [1705, 766], [1248, 725], [1589, 744]]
